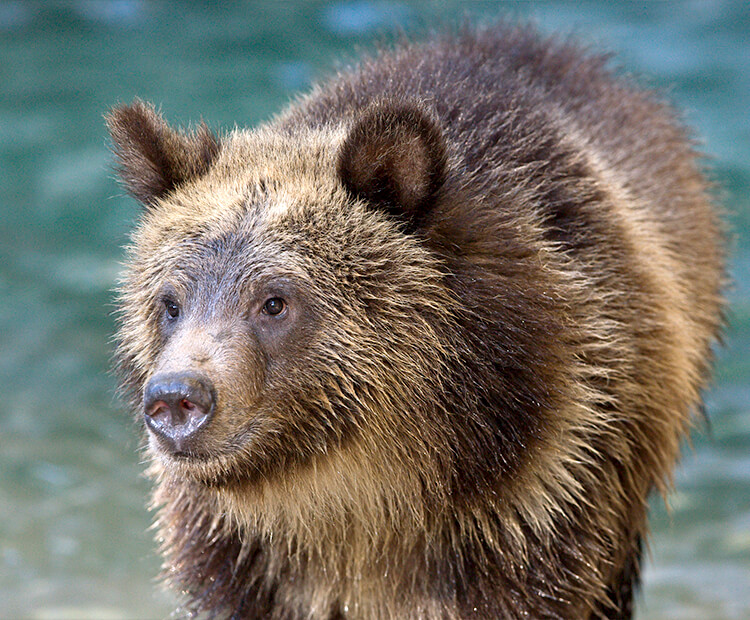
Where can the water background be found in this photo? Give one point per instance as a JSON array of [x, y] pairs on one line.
[[74, 539]]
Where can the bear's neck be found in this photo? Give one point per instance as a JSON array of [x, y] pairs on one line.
[[327, 565], [228, 552], [233, 549]]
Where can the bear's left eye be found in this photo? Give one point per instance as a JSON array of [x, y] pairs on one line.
[[171, 308], [274, 306]]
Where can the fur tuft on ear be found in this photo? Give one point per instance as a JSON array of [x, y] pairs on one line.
[[154, 158], [395, 157]]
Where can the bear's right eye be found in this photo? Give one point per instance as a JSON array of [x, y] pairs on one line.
[[274, 306], [171, 308]]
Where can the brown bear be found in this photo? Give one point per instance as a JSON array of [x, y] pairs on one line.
[[421, 346]]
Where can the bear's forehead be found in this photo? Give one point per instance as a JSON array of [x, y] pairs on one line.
[[261, 176], [270, 201], [263, 183], [261, 231], [246, 229]]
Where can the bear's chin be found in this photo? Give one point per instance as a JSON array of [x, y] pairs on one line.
[[212, 472], [228, 468]]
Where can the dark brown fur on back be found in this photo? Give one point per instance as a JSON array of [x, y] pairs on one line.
[[501, 274]]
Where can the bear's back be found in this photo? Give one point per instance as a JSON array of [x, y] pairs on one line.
[[606, 164]]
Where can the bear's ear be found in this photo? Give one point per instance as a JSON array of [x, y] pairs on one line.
[[154, 158], [395, 158]]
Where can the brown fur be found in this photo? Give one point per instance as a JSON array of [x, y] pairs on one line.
[[502, 271]]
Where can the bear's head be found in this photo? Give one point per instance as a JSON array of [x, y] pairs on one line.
[[316, 314], [277, 299]]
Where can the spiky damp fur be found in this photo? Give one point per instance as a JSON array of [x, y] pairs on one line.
[[505, 278]]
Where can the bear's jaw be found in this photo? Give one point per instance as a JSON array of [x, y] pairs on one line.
[[343, 487], [201, 468]]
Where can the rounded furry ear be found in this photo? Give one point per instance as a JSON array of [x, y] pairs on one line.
[[154, 158], [395, 157]]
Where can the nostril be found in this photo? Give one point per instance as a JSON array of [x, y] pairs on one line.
[[157, 409]]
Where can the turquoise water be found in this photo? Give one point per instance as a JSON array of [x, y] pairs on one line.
[[74, 539]]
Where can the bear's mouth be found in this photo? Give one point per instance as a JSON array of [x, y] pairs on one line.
[[213, 465], [196, 466], [185, 454]]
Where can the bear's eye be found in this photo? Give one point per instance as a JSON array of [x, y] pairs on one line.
[[171, 308], [274, 306]]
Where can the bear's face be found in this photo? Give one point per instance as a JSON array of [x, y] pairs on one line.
[[272, 308]]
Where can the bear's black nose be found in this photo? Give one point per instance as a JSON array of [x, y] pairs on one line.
[[176, 406]]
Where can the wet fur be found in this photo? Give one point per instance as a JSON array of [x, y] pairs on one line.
[[514, 274]]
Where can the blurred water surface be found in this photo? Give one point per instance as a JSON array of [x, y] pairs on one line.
[[74, 539]]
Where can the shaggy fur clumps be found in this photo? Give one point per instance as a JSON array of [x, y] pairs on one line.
[[450, 316]]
